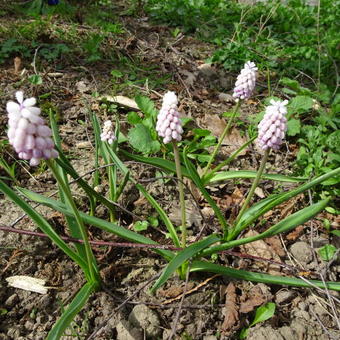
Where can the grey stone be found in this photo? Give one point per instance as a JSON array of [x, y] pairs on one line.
[[302, 252], [29, 325], [207, 71], [225, 97], [145, 318], [125, 331]]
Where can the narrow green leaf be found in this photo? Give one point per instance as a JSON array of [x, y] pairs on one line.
[[336, 232], [259, 209], [97, 222], [158, 162], [198, 182], [182, 257], [259, 277], [71, 222], [285, 225], [71, 311], [225, 175], [164, 217], [151, 200], [42, 224]]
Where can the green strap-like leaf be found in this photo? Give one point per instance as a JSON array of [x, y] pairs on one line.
[[71, 311], [259, 209], [71, 222], [42, 224], [198, 182], [259, 277], [164, 217], [97, 222], [158, 162], [285, 225], [225, 175], [63, 162], [182, 257]]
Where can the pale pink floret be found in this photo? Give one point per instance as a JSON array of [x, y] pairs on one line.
[[273, 126], [108, 134], [245, 82], [28, 132], [169, 125]]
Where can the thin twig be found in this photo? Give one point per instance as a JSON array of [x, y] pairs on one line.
[[96, 243]]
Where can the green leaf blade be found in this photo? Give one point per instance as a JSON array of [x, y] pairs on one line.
[[182, 257], [71, 311]]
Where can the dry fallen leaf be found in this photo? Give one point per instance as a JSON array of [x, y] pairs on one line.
[[28, 283], [122, 101], [292, 236], [257, 295], [263, 250], [230, 311], [275, 243]]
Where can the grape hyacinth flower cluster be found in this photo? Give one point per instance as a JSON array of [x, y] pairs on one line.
[[168, 124], [108, 134], [273, 126], [245, 82], [28, 132]]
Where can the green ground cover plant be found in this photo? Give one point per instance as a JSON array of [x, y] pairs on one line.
[[287, 37]]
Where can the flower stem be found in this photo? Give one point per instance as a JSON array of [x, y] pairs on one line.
[[224, 133], [90, 259], [253, 187], [181, 194]]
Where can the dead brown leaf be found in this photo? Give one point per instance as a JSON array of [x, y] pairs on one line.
[[232, 141], [295, 233], [263, 250], [257, 295], [275, 243], [287, 208], [230, 311]]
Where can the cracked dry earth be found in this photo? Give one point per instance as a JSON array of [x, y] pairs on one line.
[[214, 307]]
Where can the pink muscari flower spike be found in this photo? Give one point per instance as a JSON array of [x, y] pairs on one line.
[[169, 125], [28, 132], [273, 126], [272, 130], [245, 83]]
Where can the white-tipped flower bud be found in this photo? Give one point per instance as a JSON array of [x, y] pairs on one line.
[[28, 132], [169, 125], [245, 82], [273, 126], [108, 134]]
